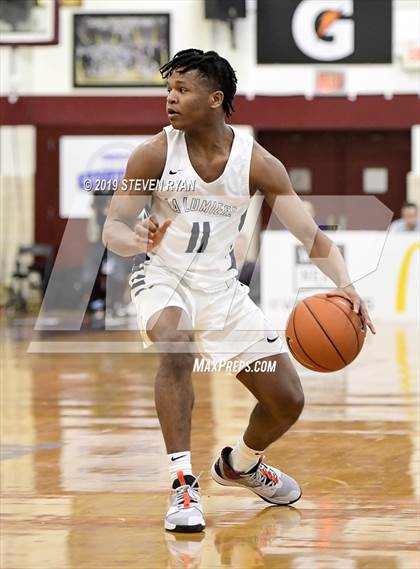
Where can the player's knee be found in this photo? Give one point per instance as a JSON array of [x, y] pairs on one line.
[[294, 405], [177, 337], [175, 341], [178, 359], [176, 365], [288, 407]]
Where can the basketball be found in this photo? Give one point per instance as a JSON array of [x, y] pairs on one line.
[[324, 333]]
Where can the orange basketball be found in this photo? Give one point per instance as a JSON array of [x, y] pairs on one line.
[[324, 333]]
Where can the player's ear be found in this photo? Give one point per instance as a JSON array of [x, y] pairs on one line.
[[216, 99]]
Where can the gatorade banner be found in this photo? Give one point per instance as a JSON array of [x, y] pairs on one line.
[[324, 31]]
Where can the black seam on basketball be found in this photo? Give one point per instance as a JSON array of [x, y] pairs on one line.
[[354, 327], [300, 345], [322, 328]]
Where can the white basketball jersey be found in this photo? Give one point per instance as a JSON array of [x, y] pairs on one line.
[[206, 216]]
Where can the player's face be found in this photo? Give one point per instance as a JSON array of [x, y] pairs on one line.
[[190, 99]]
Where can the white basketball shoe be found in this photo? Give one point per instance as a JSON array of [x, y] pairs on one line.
[[267, 482], [185, 513]]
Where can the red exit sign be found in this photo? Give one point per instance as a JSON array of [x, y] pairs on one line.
[[411, 59], [330, 82]]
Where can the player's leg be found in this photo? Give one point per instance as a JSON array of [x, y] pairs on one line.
[[247, 336], [280, 400], [279, 395], [174, 395], [174, 399]]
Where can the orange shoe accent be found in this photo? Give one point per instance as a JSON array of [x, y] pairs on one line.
[[181, 478], [270, 476]]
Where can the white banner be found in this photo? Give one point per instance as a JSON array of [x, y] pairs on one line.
[[384, 268], [91, 164]]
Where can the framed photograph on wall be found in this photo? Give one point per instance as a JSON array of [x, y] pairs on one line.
[[33, 22], [119, 50]]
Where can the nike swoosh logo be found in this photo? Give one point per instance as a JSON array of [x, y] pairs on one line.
[[272, 339], [182, 456], [172, 172]]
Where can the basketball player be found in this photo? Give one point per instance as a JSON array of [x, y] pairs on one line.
[[187, 280]]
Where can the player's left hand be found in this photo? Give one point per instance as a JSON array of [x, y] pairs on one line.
[[359, 305]]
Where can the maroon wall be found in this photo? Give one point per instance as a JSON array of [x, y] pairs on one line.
[[336, 160], [292, 113], [57, 116]]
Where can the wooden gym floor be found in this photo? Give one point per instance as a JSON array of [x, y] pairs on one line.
[[84, 478]]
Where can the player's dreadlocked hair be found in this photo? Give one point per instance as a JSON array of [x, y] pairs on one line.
[[217, 70]]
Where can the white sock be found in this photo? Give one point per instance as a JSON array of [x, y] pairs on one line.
[[179, 461], [242, 458]]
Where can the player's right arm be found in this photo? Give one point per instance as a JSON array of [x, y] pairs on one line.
[[270, 176], [123, 233]]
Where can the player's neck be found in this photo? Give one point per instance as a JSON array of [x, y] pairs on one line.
[[209, 136]]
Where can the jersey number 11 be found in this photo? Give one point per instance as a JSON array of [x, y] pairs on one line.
[[195, 234]]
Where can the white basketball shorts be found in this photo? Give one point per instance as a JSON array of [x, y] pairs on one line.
[[228, 325]]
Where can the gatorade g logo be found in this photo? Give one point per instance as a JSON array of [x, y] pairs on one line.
[[323, 22], [324, 31], [321, 33]]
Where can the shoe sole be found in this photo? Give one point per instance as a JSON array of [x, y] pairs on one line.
[[184, 529], [224, 482]]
